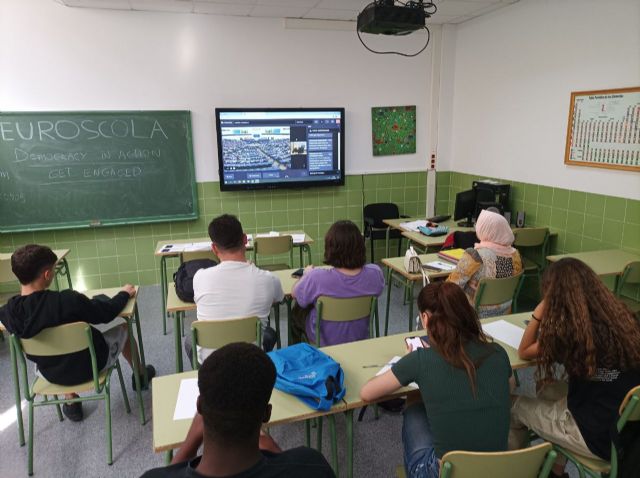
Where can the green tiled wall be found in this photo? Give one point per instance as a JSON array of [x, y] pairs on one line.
[[583, 221], [111, 256]]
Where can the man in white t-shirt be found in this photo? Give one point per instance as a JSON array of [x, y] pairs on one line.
[[234, 288]]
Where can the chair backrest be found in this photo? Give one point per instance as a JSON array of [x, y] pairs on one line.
[[498, 291], [630, 275], [273, 245], [532, 462], [530, 236], [59, 340], [194, 255], [380, 211], [630, 408], [213, 334], [333, 309]]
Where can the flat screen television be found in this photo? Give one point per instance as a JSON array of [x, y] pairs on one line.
[[280, 147]]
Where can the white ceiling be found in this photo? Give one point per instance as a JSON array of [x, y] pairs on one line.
[[449, 11]]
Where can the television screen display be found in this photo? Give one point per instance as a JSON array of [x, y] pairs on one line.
[[280, 148]]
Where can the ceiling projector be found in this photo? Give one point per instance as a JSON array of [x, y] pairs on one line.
[[382, 17]]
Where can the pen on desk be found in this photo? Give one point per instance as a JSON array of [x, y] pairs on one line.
[[372, 366]]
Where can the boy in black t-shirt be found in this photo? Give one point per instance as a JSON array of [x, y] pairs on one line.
[[37, 308], [235, 384]]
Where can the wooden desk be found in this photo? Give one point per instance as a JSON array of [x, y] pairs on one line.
[[423, 241], [356, 359], [395, 265], [304, 246], [62, 269], [178, 308], [169, 434], [608, 262]]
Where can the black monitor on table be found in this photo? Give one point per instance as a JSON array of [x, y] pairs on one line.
[[465, 207]]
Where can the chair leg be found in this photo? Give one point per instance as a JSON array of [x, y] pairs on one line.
[[276, 309], [124, 390], [386, 317], [16, 392], [307, 432], [30, 444], [140, 345], [399, 246], [372, 246], [58, 409], [136, 367], [107, 414]]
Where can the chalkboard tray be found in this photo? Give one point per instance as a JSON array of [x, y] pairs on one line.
[[63, 170]]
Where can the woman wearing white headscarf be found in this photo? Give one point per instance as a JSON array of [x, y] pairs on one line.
[[492, 257]]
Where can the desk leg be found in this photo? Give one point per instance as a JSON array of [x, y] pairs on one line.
[[163, 292], [177, 320], [16, 389], [288, 301], [64, 270], [307, 249], [135, 366], [334, 443], [168, 456], [349, 423], [387, 241], [386, 317], [300, 250], [410, 297], [276, 310], [136, 318]]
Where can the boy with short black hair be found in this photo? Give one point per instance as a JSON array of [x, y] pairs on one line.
[[37, 308], [235, 385]]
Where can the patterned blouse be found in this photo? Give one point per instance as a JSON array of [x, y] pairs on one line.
[[476, 264]]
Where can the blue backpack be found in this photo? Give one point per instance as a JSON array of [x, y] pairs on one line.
[[309, 374]]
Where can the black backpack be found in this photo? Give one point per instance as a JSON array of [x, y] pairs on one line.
[[183, 277]]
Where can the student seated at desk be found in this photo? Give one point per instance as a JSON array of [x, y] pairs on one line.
[[581, 325], [235, 385], [345, 250], [235, 288], [37, 308], [464, 384], [492, 257]]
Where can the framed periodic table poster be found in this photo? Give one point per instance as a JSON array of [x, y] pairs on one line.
[[604, 129]]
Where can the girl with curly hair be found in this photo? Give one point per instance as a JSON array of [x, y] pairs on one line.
[[581, 325]]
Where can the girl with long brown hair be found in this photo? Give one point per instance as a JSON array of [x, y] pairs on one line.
[[581, 325], [463, 379]]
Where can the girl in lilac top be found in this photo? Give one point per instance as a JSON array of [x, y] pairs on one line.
[[344, 249]]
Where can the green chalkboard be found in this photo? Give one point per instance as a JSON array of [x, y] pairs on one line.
[[95, 168]]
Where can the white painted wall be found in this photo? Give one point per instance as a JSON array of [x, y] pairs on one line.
[[54, 57], [514, 72]]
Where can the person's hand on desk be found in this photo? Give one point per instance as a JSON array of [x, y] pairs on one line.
[[129, 289]]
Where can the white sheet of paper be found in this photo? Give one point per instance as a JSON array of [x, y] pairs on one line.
[[413, 225], [298, 238], [187, 396], [268, 234], [504, 332], [388, 367], [198, 246], [444, 266], [415, 342]]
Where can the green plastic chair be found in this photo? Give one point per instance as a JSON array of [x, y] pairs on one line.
[[271, 246], [596, 468], [533, 462], [335, 309], [499, 291], [9, 285], [213, 334], [630, 276], [60, 340], [532, 239]]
